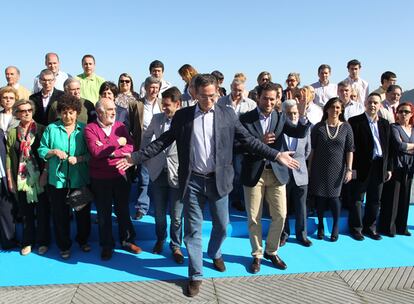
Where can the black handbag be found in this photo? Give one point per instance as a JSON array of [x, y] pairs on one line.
[[77, 198]]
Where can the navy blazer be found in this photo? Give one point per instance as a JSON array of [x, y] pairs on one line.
[[227, 128], [253, 164], [364, 146]]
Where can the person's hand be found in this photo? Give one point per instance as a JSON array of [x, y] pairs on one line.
[[269, 138], [11, 185], [98, 143], [289, 94], [72, 160], [60, 154], [389, 175], [302, 103], [43, 179], [122, 141], [286, 159], [125, 163], [348, 176]]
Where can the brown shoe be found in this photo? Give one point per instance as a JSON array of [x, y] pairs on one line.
[[255, 266], [138, 215], [219, 264], [193, 288], [158, 247], [178, 256], [131, 247]]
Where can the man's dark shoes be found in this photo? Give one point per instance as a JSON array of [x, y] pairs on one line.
[[282, 242], [357, 236], [255, 266], [158, 247], [193, 288], [276, 261], [238, 206], [321, 233], [219, 264], [106, 254], [373, 235], [178, 256], [305, 242]]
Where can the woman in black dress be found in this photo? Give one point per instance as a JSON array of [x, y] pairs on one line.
[[330, 162], [395, 200]]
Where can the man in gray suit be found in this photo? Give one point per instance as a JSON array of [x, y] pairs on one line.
[[297, 187], [163, 172], [204, 134]]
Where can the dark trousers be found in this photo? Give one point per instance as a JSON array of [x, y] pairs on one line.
[[395, 203], [372, 187], [61, 219], [7, 227], [335, 206], [296, 198], [116, 191], [36, 220]]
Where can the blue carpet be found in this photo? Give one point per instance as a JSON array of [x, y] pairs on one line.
[[346, 254]]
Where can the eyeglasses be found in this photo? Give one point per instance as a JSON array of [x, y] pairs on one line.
[[25, 111], [47, 80], [124, 81], [404, 112]]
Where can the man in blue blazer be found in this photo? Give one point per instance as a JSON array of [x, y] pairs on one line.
[[266, 179], [204, 135]]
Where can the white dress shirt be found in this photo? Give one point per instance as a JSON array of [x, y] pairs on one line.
[[324, 92], [361, 86], [353, 108], [314, 113], [149, 110]]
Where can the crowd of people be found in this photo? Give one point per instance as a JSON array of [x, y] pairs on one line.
[[314, 147]]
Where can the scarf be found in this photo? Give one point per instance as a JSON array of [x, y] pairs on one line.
[[28, 172]]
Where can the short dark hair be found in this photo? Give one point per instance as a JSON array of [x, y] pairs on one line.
[[387, 76], [268, 86], [173, 93], [329, 104], [68, 102], [203, 80], [353, 62], [156, 64], [108, 85], [393, 87], [88, 56], [219, 75], [323, 67], [374, 94]]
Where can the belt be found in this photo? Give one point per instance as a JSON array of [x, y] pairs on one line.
[[208, 175]]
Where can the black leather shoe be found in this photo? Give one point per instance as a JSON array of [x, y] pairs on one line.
[[219, 264], [276, 261], [178, 256], [305, 242], [334, 237], [406, 233], [255, 266], [106, 254], [373, 235], [193, 288], [158, 247], [357, 236]]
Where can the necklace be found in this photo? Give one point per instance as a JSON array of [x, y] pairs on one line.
[[329, 133]]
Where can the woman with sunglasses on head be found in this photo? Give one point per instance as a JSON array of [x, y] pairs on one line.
[[25, 172], [64, 148], [395, 200], [126, 93]]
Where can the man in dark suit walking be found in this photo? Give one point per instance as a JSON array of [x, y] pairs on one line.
[[204, 135], [372, 164], [267, 179], [44, 99]]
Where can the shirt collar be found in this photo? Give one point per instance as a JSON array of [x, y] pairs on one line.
[[370, 120], [102, 125], [198, 110], [262, 116]]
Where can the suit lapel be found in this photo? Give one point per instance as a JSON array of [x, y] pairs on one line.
[[256, 124]]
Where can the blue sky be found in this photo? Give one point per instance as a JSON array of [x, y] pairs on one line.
[[231, 36]]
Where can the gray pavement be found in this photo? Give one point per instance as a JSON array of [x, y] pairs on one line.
[[385, 285]]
